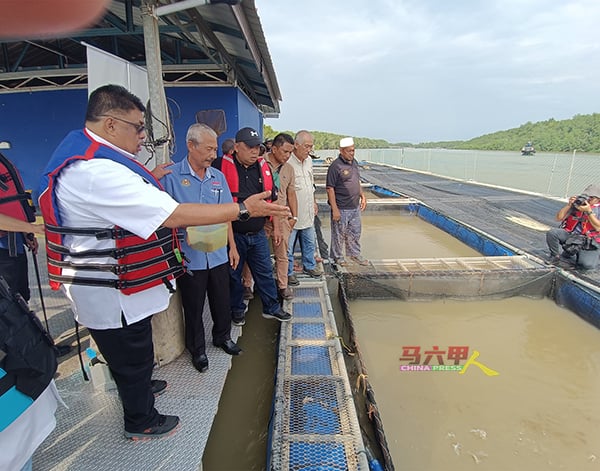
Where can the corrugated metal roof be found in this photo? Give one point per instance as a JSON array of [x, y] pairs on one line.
[[204, 45]]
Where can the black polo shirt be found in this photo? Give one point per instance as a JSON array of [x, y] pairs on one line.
[[250, 183], [344, 178]]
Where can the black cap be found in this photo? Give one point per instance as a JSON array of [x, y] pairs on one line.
[[249, 137]]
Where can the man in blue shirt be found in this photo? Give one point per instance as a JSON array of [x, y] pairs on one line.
[[193, 180]]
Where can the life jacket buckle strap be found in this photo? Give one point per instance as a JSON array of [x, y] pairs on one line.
[[119, 253], [102, 235], [114, 233], [121, 284], [120, 269]]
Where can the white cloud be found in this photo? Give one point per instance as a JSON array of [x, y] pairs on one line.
[[424, 70]]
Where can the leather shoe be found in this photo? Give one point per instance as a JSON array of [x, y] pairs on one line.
[[166, 425], [200, 362], [229, 347], [158, 386], [292, 280], [286, 293]]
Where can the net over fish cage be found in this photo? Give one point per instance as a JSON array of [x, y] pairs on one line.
[[451, 278]]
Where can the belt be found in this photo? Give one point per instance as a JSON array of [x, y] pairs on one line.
[[248, 233]]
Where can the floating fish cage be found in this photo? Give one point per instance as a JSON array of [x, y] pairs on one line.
[[503, 271], [450, 278]]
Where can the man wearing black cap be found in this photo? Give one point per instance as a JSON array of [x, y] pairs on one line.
[[248, 174], [579, 231]]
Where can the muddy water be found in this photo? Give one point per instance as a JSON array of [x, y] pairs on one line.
[[238, 439], [398, 234], [239, 435], [541, 412]]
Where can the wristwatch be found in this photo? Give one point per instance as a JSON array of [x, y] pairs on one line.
[[244, 214]]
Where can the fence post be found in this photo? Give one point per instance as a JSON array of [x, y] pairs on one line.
[[551, 175], [570, 175]]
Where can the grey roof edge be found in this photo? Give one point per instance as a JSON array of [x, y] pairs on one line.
[[249, 21], [20, 73]]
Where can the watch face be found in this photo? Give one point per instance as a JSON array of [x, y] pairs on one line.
[[243, 215]]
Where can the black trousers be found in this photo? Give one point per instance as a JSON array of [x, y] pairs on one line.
[[14, 271], [215, 282], [129, 352]]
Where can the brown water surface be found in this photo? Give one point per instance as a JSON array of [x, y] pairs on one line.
[[541, 412], [398, 234]]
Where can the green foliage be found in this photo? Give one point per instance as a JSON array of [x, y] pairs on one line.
[[325, 140], [582, 132]]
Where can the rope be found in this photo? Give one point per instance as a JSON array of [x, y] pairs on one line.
[[362, 379]]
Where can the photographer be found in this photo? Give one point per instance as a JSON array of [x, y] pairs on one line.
[[579, 231]]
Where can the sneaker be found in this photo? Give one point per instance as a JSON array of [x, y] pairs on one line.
[[166, 426], [239, 321], [158, 386], [293, 281], [314, 273], [248, 293], [361, 261], [286, 293], [279, 315]]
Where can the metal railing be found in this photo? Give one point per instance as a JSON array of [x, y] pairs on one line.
[[557, 175]]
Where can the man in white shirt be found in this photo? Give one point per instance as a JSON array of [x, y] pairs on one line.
[[303, 230], [111, 244]]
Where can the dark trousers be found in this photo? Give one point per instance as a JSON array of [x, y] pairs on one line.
[[253, 249], [129, 353], [215, 282], [14, 271]]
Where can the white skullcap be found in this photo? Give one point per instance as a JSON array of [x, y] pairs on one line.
[[346, 142]]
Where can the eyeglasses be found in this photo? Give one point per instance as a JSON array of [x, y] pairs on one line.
[[139, 128]]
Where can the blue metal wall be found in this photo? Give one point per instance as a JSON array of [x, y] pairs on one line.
[[35, 123], [186, 102]]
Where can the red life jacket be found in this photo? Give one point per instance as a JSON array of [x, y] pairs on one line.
[[14, 200], [575, 217], [229, 169], [139, 263]]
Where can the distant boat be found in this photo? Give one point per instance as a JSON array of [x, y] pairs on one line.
[[528, 149]]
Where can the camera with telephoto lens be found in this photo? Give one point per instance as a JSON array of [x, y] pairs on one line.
[[580, 200]]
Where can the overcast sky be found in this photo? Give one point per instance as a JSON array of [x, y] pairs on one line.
[[431, 70]]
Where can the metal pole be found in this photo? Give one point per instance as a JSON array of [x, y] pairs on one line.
[[570, 175], [161, 127], [551, 175], [60, 349]]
